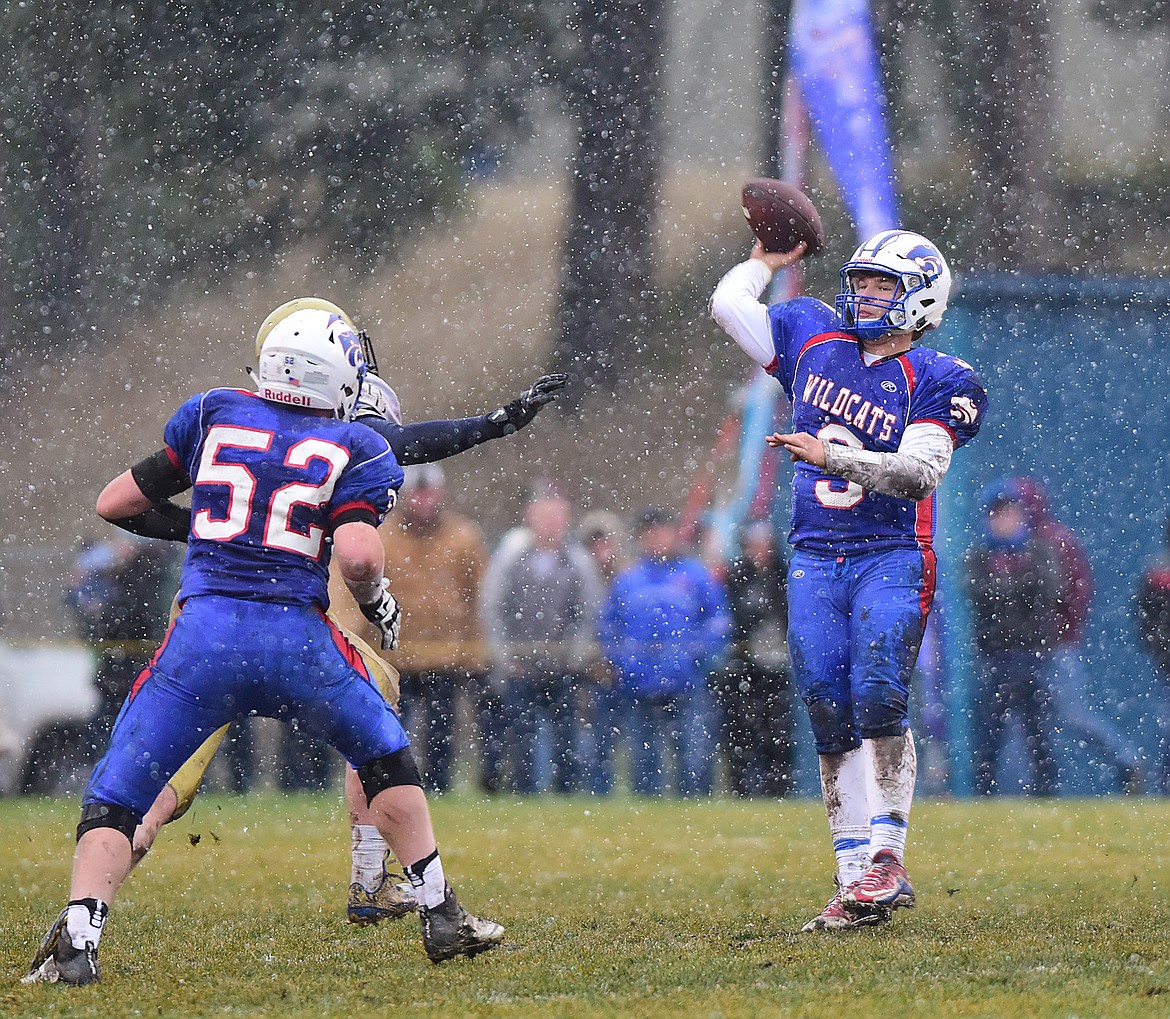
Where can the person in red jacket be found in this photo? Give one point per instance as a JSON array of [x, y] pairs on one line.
[[1071, 702]]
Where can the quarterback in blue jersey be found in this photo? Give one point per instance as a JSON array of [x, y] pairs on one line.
[[875, 420], [281, 481], [374, 892]]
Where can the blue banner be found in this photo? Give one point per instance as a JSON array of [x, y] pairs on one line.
[[834, 62], [757, 419]]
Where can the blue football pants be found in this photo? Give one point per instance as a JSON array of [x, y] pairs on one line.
[[855, 625], [224, 659]]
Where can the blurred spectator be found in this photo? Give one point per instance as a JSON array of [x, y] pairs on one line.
[[1012, 580], [754, 691], [1152, 618], [435, 560], [603, 536], [435, 563], [1069, 682], [119, 591], [304, 763], [540, 598], [664, 629]]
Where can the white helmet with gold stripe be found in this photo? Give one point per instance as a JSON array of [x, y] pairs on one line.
[[312, 359], [304, 304], [377, 398]]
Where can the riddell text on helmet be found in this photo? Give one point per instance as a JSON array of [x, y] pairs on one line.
[[280, 396]]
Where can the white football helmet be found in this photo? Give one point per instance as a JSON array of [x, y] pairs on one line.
[[298, 304], [378, 400], [919, 301], [312, 358], [316, 303]]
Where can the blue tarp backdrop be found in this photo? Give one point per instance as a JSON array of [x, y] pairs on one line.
[[1078, 375]]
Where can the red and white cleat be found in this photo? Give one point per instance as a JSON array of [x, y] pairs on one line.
[[886, 883], [837, 916]]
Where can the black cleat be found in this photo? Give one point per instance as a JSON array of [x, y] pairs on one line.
[[450, 931], [57, 959]]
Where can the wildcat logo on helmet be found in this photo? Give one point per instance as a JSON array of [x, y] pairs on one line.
[[348, 339], [928, 259]]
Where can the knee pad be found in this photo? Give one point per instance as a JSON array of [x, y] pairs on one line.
[[881, 711], [108, 815], [832, 726], [386, 772]]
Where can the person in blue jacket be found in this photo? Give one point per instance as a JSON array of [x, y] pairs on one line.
[[664, 629]]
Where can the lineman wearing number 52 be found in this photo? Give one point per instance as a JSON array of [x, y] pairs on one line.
[[374, 891], [282, 482], [875, 420]]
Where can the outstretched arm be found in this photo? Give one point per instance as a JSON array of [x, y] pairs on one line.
[[429, 441]]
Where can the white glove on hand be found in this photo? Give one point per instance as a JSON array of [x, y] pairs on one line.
[[386, 614]]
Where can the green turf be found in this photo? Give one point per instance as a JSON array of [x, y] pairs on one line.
[[647, 908]]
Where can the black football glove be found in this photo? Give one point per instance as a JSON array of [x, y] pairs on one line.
[[515, 415], [386, 614]]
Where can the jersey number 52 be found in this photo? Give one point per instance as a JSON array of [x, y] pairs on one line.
[[277, 511]]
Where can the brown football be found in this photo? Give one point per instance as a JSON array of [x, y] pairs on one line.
[[781, 216]]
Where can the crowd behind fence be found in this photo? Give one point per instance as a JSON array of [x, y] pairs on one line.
[[537, 666]]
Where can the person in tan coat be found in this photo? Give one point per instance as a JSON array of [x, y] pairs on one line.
[[435, 559]]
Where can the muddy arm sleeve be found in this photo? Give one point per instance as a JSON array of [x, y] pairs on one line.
[[912, 472]]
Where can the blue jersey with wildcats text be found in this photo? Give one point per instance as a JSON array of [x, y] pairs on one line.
[[838, 398], [269, 484]]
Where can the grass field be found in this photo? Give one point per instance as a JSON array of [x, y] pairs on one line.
[[647, 908]]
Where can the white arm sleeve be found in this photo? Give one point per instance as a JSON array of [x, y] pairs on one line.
[[736, 306], [913, 472]]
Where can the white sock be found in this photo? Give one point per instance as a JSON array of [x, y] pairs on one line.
[[367, 853], [894, 767], [83, 921], [427, 880], [843, 786]]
